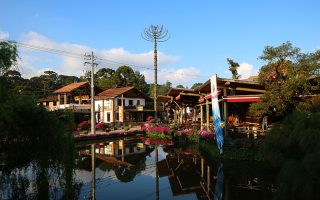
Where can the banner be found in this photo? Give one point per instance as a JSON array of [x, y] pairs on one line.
[[216, 112]]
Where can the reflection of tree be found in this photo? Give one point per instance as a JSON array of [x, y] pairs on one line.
[[19, 185], [125, 174], [45, 167]]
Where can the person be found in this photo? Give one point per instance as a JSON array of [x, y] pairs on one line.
[[265, 123], [237, 119]]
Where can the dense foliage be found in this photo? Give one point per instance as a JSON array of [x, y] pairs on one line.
[[233, 68], [121, 77], [294, 146], [21, 119], [8, 56], [287, 76]]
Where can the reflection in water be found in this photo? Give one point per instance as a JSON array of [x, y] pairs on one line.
[[38, 170], [93, 172], [157, 172], [125, 168], [219, 184]]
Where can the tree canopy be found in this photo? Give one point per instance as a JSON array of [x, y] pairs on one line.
[[196, 85], [286, 77], [179, 86], [121, 77], [8, 56], [233, 68]]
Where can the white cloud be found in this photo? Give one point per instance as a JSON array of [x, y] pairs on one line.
[[4, 35], [69, 56], [184, 76], [120, 55], [246, 70]]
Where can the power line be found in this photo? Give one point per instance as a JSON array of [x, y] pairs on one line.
[[101, 60]]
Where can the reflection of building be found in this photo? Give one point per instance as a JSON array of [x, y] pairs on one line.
[[187, 174], [120, 148], [191, 173], [125, 152], [124, 104]]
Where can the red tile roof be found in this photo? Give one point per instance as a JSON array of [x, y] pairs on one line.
[[70, 87], [125, 91]]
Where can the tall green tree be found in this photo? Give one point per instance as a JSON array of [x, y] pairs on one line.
[[286, 76], [49, 81], [162, 89], [126, 76], [179, 86], [233, 68], [63, 80], [196, 85], [15, 81], [8, 56], [104, 78]]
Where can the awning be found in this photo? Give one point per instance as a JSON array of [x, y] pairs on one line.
[[208, 96], [201, 100], [239, 99]]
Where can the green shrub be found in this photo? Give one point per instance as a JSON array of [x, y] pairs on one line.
[[294, 146]]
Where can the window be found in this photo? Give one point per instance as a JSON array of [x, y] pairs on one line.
[[117, 116], [130, 102], [108, 117], [138, 102], [119, 102], [108, 105]]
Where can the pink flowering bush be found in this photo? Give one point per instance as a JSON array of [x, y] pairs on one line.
[[156, 132], [84, 125], [145, 126], [100, 125], [193, 135], [189, 134], [206, 135]]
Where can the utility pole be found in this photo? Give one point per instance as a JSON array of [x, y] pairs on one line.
[[155, 33], [91, 58]]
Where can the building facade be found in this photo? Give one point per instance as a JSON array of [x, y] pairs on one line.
[[126, 104]]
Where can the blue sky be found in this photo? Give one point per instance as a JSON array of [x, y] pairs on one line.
[[203, 34]]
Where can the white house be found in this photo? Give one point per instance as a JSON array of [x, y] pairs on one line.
[[126, 104]]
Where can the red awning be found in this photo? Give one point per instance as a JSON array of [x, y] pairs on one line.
[[208, 96], [201, 100], [239, 99]]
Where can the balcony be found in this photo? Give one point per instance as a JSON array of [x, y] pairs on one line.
[[76, 107]]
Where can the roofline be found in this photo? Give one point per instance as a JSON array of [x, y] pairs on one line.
[[182, 90], [197, 89]]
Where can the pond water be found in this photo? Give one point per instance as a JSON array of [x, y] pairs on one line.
[[126, 168]]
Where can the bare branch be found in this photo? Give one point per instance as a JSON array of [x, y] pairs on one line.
[[155, 32]]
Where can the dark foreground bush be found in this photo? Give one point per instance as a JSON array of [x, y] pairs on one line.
[[294, 147]]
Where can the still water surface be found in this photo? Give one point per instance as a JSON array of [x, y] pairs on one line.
[[126, 168]]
